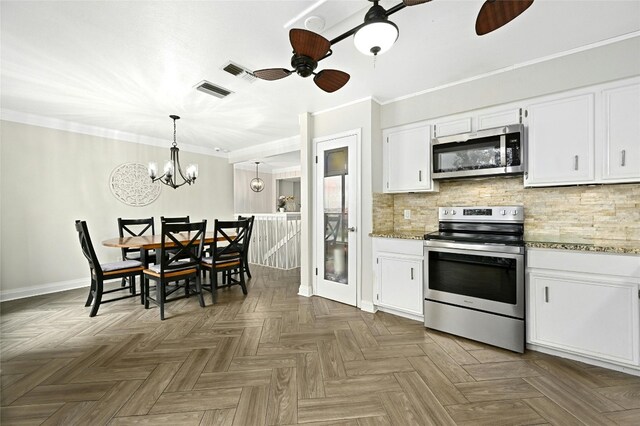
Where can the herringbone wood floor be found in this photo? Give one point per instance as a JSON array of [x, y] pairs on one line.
[[273, 357]]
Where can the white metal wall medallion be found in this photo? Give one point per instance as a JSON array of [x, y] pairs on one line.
[[130, 183]]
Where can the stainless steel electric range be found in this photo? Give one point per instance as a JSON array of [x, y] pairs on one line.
[[474, 275]]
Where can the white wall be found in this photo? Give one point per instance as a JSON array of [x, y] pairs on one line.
[[247, 201], [606, 63], [49, 178]]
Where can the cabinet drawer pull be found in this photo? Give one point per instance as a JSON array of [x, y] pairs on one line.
[[623, 159], [575, 162], [411, 273], [546, 294], [420, 174]]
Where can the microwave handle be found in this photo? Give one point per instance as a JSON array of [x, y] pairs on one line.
[[503, 151]]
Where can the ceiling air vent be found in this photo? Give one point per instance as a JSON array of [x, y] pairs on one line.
[[210, 88], [239, 71]]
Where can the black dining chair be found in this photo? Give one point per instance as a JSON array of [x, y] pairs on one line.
[[179, 260], [245, 246], [106, 271], [177, 219], [228, 257], [134, 228]]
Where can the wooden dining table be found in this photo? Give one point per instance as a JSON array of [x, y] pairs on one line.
[[146, 243]]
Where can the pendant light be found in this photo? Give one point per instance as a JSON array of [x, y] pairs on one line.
[[172, 167], [378, 34], [257, 184]]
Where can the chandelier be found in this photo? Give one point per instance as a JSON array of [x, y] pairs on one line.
[[172, 167], [256, 183]]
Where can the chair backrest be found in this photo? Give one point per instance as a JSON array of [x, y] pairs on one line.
[[249, 231], [87, 246], [179, 219], [224, 231], [178, 254], [134, 228]]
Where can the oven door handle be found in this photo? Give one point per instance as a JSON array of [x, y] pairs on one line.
[[499, 249], [516, 256]]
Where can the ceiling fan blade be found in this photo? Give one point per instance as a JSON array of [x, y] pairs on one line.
[[308, 43], [272, 73], [414, 2], [496, 13], [331, 80]]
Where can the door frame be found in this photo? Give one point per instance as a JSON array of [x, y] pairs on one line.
[[358, 214]]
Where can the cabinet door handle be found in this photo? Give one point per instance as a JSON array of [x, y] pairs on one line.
[[575, 162], [411, 273], [546, 294], [420, 174], [623, 160]]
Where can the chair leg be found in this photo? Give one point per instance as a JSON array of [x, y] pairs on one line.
[[199, 290], [160, 297], [92, 290], [246, 268], [242, 284], [97, 298], [132, 288], [214, 284], [146, 293], [142, 289]]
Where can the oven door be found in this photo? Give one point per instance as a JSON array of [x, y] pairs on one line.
[[488, 281]]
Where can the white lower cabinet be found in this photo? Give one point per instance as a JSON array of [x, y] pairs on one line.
[[398, 271], [585, 304]]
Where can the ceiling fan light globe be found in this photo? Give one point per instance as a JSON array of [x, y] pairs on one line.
[[376, 37], [257, 185]]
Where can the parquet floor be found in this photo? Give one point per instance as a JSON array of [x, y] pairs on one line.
[[277, 358]]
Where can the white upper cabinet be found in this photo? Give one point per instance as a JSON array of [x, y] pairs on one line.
[[590, 135], [561, 141], [449, 127], [621, 136], [407, 159], [501, 117], [473, 121]]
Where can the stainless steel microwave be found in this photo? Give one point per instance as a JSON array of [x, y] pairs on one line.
[[496, 151]]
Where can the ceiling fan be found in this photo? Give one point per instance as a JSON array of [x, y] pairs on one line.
[[374, 36], [308, 49]]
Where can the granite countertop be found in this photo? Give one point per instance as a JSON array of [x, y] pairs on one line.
[[565, 242], [402, 236], [572, 242]]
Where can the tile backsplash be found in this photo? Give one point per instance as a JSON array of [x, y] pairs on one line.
[[591, 211]]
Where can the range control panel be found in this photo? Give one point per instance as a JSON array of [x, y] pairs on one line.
[[482, 214]]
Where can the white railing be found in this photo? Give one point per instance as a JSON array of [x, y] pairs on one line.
[[275, 240]]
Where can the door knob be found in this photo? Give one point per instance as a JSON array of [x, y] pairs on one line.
[[352, 229]]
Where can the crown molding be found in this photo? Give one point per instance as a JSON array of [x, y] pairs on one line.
[[73, 127]]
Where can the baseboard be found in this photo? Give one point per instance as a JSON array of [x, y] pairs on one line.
[[368, 306], [599, 363], [38, 290], [401, 314], [305, 290]]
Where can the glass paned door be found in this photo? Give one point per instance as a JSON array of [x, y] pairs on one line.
[[336, 215], [335, 218]]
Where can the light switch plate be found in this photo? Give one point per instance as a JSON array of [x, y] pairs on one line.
[[407, 214]]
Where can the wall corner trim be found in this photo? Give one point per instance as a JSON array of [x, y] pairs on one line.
[[368, 306], [305, 291]]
